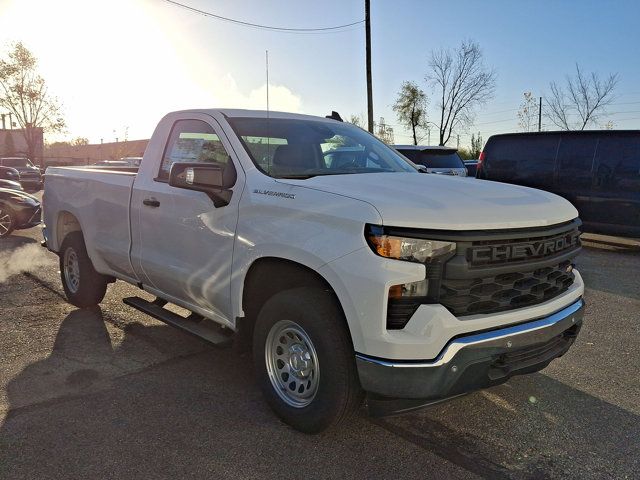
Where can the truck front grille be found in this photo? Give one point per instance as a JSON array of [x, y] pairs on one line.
[[505, 291]]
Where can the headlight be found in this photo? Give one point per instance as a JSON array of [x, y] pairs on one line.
[[404, 299], [406, 248]]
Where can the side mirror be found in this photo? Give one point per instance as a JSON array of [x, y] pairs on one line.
[[211, 178], [422, 169]]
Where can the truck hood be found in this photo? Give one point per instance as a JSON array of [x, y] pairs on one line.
[[447, 203]]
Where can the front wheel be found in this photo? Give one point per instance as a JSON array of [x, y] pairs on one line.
[[7, 221], [305, 361], [83, 286]]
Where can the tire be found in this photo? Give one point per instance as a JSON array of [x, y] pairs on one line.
[[7, 221], [83, 286], [309, 327]]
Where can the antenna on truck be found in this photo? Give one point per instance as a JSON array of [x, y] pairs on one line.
[[266, 59]]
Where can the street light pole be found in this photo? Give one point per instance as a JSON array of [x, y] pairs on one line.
[[540, 116], [367, 23]]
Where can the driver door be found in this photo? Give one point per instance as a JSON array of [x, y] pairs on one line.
[[183, 244]]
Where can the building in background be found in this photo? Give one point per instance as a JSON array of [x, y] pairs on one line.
[[14, 144], [92, 153]]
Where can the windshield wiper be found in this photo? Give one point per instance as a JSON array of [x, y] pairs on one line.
[[355, 171], [298, 177]]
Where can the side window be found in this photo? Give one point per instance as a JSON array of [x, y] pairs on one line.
[[618, 163], [192, 141]]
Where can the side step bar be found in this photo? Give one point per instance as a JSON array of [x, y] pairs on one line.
[[201, 327]]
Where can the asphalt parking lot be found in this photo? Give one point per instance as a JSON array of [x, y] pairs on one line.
[[110, 393]]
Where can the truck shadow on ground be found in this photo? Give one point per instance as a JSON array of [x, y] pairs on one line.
[[96, 407]]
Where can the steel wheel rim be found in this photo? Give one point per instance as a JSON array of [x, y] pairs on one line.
[[292, 364], [71, 270], [5, 222]]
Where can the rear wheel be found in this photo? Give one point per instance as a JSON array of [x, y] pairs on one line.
[[83, 286], [305, 361], [7, 221]]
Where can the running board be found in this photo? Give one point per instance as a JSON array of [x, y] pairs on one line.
[[203, 328]]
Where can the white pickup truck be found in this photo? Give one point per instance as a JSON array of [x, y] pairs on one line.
[[346, 270]]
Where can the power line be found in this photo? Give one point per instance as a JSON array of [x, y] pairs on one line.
[[266, 27]]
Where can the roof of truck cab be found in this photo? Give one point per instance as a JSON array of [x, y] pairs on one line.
[[238, 113]]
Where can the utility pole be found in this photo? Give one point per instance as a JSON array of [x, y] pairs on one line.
[[367, 23], [3, 124], [540, 116]]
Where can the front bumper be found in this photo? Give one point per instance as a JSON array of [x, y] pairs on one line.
[[474, 361]]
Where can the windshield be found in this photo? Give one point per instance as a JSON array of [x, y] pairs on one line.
[[434, 158], [16, 162], [296, 148]]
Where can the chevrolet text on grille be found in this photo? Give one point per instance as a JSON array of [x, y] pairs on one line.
[[522, 251]]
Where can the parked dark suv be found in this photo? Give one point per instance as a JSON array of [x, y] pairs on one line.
[[440, 160], [30, 176], [597, 171]]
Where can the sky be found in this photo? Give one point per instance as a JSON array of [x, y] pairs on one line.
[[118, 66]]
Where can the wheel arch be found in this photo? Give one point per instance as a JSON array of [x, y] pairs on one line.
[[267, 276], [66, 223]]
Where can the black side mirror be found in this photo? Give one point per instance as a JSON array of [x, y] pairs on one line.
[[213, 179]]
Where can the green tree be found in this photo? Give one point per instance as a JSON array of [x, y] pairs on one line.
[[25, 94], [411, 108], [59, 144], [80, 141], [465, 153], [476, 146]]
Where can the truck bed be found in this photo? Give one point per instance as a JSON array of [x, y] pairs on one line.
[[98, 199]]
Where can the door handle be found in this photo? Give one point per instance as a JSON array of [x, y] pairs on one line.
[[151, 202]]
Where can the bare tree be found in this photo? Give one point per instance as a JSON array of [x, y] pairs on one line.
[[357, 120], [528, 113], [411, 108], [584, 96], [463, 83], [24, 93]]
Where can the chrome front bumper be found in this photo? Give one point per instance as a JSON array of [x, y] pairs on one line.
[[474, 361]]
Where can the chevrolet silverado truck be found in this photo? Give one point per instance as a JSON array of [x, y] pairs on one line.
[[350, 278]]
